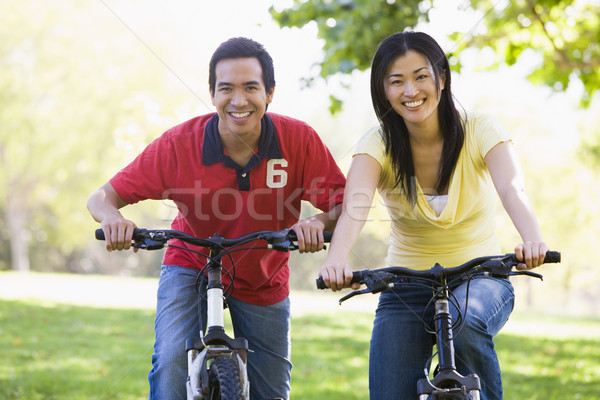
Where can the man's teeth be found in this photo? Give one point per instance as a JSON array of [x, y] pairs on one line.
[[240, 115], [414, 103]]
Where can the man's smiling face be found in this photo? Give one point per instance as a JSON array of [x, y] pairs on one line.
[[240, 96]]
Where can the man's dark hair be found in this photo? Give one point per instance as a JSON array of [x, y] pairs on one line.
[[241, 47]]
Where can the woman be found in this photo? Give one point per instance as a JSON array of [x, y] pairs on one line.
[[435, 169]]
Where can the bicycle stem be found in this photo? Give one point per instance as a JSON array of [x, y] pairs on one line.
[[443, 328], [214, 294]]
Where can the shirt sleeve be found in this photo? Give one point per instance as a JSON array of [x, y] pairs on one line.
[[491, 132], [372, 144], [146, 176]]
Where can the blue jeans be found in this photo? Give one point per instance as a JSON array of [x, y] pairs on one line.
[[400, 347], [267, 329]]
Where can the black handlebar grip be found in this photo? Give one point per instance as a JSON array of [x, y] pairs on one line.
[[321, 284], [326, 235], [100, 234], [357, 276], [552, 257]]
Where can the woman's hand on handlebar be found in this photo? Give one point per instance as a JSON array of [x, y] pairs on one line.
[[531, 254], [337, 276], [118, 233]]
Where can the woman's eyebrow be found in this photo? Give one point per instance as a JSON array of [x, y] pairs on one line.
[[401, 75]]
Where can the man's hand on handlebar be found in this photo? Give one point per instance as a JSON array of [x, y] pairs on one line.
[[118, 233], [310, 235]]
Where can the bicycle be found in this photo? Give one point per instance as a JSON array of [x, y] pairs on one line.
[[447, 383], [216, 361]]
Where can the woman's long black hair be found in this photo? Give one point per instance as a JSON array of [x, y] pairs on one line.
[[395, 133]]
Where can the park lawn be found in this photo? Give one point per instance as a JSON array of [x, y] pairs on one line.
[[66, 352]]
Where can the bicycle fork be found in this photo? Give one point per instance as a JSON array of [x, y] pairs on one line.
[[447, 383]]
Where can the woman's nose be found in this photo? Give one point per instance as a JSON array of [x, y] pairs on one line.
[[411, 89]]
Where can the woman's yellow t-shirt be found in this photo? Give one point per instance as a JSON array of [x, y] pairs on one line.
[[466, 227]]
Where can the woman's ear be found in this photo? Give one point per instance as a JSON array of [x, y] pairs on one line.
[[443, 81]]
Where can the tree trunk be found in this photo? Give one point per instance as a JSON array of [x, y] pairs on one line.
[[16, 221]]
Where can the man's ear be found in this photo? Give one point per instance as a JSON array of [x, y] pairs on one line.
[[270, 94], [212, 97]]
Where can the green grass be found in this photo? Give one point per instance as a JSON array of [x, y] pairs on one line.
[[70, 352], [63, 352]]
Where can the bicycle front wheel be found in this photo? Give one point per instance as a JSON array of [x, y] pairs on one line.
[[224, 378]]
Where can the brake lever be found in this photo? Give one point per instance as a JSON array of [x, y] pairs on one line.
[[528, 273], [149, 244], [374, 285], [352, 294]]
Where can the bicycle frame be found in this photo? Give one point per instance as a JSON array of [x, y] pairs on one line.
[[447, 377], [216, 343]]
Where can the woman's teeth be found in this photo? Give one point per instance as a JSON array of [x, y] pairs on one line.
[[414, 103]]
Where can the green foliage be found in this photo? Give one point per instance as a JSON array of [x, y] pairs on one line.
[[352, 28], [563, 34]]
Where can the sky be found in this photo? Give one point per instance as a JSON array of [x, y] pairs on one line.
[[184, 34]]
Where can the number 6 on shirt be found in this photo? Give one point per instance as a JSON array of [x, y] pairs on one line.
[[276, 178]]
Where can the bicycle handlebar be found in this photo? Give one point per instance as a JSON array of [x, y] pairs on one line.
[[496, 266], [154, 239]]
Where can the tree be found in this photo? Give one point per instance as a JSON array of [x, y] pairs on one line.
[[563, 34], [63, 96]]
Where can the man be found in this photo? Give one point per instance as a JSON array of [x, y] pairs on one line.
[[233, 172]]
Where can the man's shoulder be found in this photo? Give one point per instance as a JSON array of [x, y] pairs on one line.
[[193, 126], [287, 122]]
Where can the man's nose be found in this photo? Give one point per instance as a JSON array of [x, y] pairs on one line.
[[238, 98]]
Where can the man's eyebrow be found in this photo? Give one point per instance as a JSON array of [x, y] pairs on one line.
[[249, 83]]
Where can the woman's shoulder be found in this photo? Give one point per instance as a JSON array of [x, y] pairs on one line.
[[476, 121], [483, 130], [372, 143]]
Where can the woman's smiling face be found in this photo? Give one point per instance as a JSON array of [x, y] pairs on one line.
[[410, 87]]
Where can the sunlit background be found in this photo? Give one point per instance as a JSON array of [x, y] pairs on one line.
[[90, 83], [85, 85]]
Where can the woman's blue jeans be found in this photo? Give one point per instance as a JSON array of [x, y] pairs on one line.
[[400, 347], [267, 329]]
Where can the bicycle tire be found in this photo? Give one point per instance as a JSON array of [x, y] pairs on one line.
[[224, 380]]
